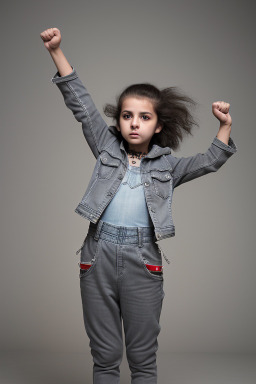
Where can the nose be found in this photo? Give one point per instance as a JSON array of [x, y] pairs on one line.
[[135, 122]]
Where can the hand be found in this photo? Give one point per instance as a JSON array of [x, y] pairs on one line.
[[220, 109], [51, 38]]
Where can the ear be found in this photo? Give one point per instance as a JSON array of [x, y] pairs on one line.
[[159, 128]]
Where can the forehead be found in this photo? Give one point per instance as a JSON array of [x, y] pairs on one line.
[[136, 104]]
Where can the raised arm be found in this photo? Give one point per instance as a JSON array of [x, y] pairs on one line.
[[76, 96], [188, 168]]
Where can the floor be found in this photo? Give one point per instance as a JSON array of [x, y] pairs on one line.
[[41, 368]]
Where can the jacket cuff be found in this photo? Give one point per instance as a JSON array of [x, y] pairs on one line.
[[231, 147], [57, 78]]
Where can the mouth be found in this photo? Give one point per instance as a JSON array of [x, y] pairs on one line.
[[134, 134]]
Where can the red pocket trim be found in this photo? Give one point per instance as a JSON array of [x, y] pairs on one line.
[[157, 268], [85, 266]]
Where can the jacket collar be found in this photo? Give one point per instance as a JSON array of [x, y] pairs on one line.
[[155, 151]]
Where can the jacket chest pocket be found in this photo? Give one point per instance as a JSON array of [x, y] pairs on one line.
[[107, 167], [162, 183]]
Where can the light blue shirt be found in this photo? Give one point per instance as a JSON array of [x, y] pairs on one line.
[[128, 207]]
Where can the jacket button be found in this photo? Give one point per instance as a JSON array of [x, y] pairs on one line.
[[146, 184], [167, 176], [105, 159]]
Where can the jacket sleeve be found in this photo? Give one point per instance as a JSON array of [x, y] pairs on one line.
[[79, 101], [189, 168]]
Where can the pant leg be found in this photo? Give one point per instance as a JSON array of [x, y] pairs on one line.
[[101, 310], [141, 297]]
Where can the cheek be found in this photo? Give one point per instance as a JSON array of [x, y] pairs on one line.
[[122, 125]]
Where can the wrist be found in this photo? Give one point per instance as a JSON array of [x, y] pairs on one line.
[[225, 129], [225, 126], [224, 133], [55, 51]]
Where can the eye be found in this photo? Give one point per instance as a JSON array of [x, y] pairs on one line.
[[126, 116], [145, 117]]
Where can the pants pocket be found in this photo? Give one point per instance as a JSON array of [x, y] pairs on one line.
[[89, 256], [150, 259]]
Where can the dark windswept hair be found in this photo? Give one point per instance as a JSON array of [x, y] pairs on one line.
[[171, 106]]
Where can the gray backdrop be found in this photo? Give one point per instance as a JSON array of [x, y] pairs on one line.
[[208, 50]]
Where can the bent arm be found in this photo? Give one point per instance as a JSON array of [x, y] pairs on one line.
[[189, 168]]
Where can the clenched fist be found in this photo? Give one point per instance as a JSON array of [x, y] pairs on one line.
[[220, 109], [51, 38]]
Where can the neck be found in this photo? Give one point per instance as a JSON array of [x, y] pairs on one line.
[[137, 154]]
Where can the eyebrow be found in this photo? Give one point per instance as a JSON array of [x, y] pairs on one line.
[[142, 113]]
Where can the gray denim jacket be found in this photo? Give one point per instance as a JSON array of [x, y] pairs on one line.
[[160, 171]]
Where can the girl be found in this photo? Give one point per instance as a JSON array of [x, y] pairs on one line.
[[128, 203]]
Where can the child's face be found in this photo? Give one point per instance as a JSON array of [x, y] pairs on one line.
[[138, 116]]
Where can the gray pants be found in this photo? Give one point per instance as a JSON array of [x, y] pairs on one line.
[[117, 284]]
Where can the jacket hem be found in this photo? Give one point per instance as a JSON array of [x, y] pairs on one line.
[[94, 218], [87, 215], [163, 234]]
